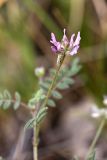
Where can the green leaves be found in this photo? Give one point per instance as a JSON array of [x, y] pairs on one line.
[[6, 100], [37, 98], [75, 67], [17, 101], [62, 86], [37, 119], [56, 95], [63, 81], [30, 123], [39, 95], [51, 103], [69, 81], [41, 114]]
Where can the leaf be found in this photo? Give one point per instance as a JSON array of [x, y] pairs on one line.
[[91, 156], [17, 101], [1, 102], [62, 73], [56, 95], [68, 80], [52, 71], [75, 67], [38, 94], [41, 117], [64, 69], [62, 85], [38, 97], [6, 94], [75, 62], [41, 114], [36, 120], [48, 80], [45, 85], [30, 123], [6, 104], [31, 103], [41, 111], [7, 99], [42, 97], [51, 103], [1, 99]]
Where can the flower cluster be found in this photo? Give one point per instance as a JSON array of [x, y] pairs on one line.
[[69, 47]]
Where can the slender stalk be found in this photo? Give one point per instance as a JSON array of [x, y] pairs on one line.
[[35, 136], [35, 152], [97, 136], [51, 87], [36, 128]]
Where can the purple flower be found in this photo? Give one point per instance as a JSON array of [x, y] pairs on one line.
[[56, 46], [65, 46]]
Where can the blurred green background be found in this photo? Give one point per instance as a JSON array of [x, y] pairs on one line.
[[25, 27]]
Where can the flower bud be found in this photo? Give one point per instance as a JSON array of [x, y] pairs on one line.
[[39, 72]]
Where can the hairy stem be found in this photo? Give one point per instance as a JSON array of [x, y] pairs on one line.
[[35, 137], [53, 82], [98, 133]]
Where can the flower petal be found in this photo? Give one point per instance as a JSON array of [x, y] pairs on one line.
[[54, 49], [72, 40], [65, 39], [77, 41], [53, 38], [58, 45], [74, 50]]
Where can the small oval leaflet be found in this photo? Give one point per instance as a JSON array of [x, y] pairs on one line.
[[17, 101]]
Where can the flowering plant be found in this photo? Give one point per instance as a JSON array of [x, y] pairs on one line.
[[49, 89]]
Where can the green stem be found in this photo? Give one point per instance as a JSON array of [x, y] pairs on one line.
[[36, 128], [97, 136], [35, 152]]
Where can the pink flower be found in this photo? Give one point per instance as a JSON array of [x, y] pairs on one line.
[[65, 46]]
